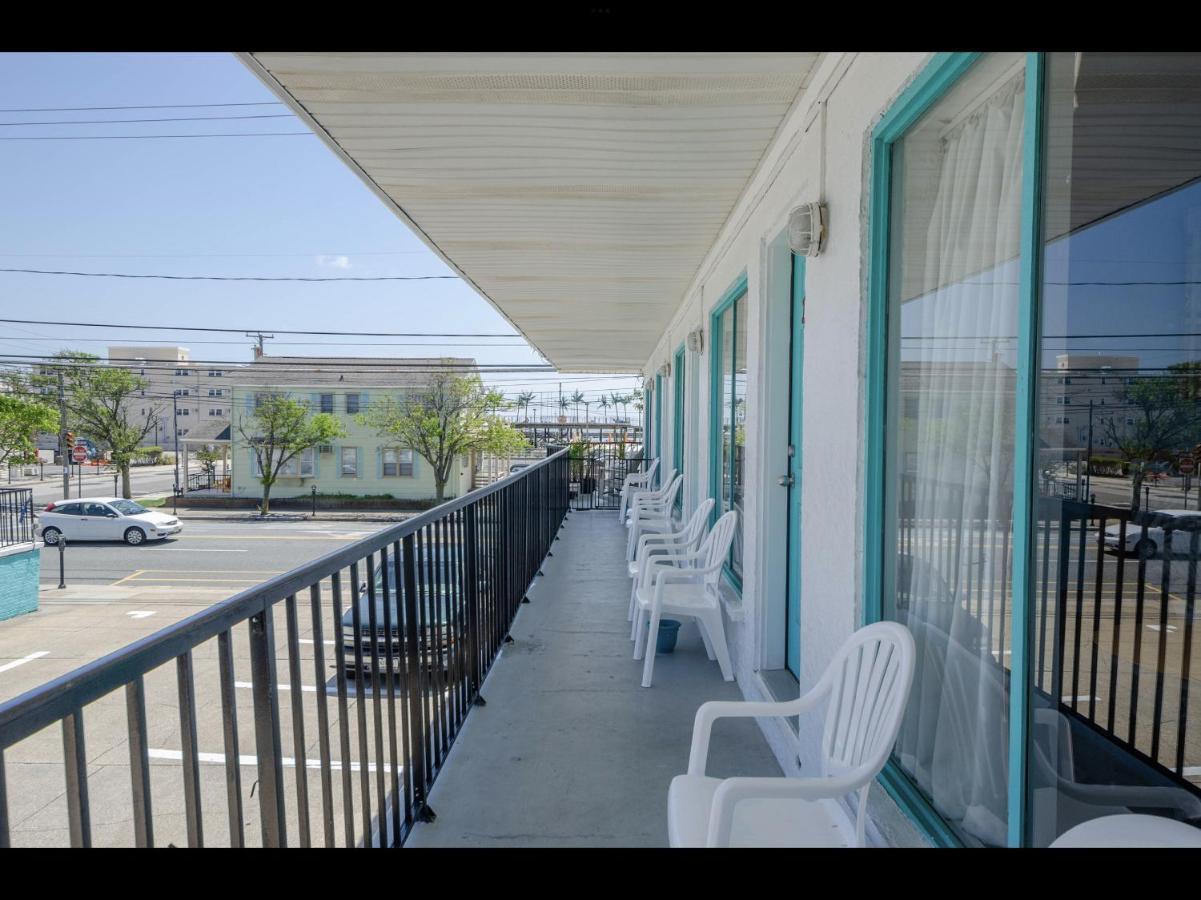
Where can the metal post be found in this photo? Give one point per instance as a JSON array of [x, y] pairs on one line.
[[314, 501], [1088, 462], [266, 729], [62, 566], [114, 484]]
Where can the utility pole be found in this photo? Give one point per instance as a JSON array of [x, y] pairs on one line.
[[62, 438], [175, 493], [1088, 462], [259, 336]]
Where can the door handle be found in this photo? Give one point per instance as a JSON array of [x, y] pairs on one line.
[[785, 481]]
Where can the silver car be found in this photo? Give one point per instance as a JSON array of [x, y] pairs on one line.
[[1185, 522]]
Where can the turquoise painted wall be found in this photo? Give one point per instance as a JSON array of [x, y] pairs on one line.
[[19, 582]]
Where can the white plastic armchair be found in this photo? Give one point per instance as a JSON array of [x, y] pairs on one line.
[[685, 585], [647, 497], [668, 544], [867, 686], [638, 480], [652, 515]]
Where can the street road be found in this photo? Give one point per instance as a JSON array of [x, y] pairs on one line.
[[151, 481]]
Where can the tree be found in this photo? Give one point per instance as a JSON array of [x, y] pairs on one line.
[[100, 402], [1166, 415], [22, 417], [447, 417], [605, 403], [523, 402], [564, 403], [577, 398], [208, 459], [280, 429]]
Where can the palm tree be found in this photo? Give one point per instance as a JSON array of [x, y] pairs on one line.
[[577, 398], [563, 404], [605, 403], [524, 401]]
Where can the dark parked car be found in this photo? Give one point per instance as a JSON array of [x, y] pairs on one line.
[[442, 624]]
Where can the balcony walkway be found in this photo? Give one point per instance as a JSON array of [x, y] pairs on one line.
[[570, 749]]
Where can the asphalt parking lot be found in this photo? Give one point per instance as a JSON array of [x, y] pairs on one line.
[[116, 595]]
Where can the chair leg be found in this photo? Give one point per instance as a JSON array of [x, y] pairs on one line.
[[633, 599], [705, 640], [639, 633], [648, 663], [710, 620]]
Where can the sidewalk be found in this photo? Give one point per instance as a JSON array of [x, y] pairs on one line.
[[332, 515]]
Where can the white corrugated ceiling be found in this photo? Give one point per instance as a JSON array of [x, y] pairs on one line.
[[577, 192]]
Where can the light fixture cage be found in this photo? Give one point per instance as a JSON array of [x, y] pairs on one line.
[[807, 229]]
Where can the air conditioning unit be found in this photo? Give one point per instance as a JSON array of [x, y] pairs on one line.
[[807, 229], [326, 448]]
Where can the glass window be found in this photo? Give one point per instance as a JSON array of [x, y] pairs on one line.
[[730, 339], [952, 313], [677, 421], [398, 462], [350, 462], [327, 403], [1116, 706], [352, 403], [128, 507]]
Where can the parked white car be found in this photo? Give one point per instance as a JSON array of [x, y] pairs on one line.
[[104, 519], [1186, 519]]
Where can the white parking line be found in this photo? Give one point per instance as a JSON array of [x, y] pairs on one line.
[[20, 662], [140, 613], [201, 550], [308, 688], [245, 760], [310, 641]]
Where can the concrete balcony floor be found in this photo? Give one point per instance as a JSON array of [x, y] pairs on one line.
[[570, 750]]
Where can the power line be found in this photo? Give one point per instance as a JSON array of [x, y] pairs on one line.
[[303, 364], [142, 121], [145, 137], [234, 277], [242, 331], [152, 106]]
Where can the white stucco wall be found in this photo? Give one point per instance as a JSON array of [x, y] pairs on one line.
[[819, 153]]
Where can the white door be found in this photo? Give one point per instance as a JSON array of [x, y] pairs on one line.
[[98, 523]]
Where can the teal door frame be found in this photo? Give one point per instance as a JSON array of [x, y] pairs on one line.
[[659, 418], [796, 400], [677, 418], [943, 71], [735, 292]]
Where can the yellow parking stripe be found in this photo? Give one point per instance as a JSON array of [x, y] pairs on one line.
[[133, 574]]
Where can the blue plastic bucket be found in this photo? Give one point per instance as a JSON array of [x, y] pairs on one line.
[[669, 630]]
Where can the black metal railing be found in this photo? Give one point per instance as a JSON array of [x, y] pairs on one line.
[[441, 589], [16, 516], [207, 481], [598, 471]]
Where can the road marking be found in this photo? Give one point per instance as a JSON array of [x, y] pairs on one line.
[[1191, 771], [201, 550], [246, 760], [254, 579], [133, 574], [307, 688], [140, 614], [264, 537], [20, 662], [1156, 628], [310, 641], [1083, 699]]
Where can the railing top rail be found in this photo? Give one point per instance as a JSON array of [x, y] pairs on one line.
[[35, 709]]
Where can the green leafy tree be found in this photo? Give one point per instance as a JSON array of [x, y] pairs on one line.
[[1166, 410], [22, 418], [102, 403], [278, 430], [208, 459], [449, 416]]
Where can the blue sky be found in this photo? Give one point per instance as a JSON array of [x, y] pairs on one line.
[[267, 206]]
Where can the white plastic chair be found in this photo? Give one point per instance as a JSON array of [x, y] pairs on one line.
[[666, 587], [687, 540], [1130, 830], [867, 685], [653, 513], [647, 496], [638, 480]]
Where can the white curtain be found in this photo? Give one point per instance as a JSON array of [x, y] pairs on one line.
[[955, 558]]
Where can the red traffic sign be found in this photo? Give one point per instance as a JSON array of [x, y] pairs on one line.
[[1187, 465], [80, 453]]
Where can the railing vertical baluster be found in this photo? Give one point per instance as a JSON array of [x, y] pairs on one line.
[[343, 713], [139, 762], [265, 691], [417, 722], [425, 675], [75, 761], [1079, 624], [299, 751], [1136, 659], [229, 721], [437, 582], [327, 788], [1118, 590], [377, 706], [1165, 595], [360, 679], [1099, 571], [1045, 522], [191, 749], [1187, 651], [1061, 604], [390, 682], [5, 841], [402, 678]]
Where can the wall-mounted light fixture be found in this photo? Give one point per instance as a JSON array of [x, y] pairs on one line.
[[696, 340], [665, 370], [807, 226]]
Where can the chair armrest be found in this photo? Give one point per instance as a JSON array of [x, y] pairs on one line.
[[710, 712], [733, 791]]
